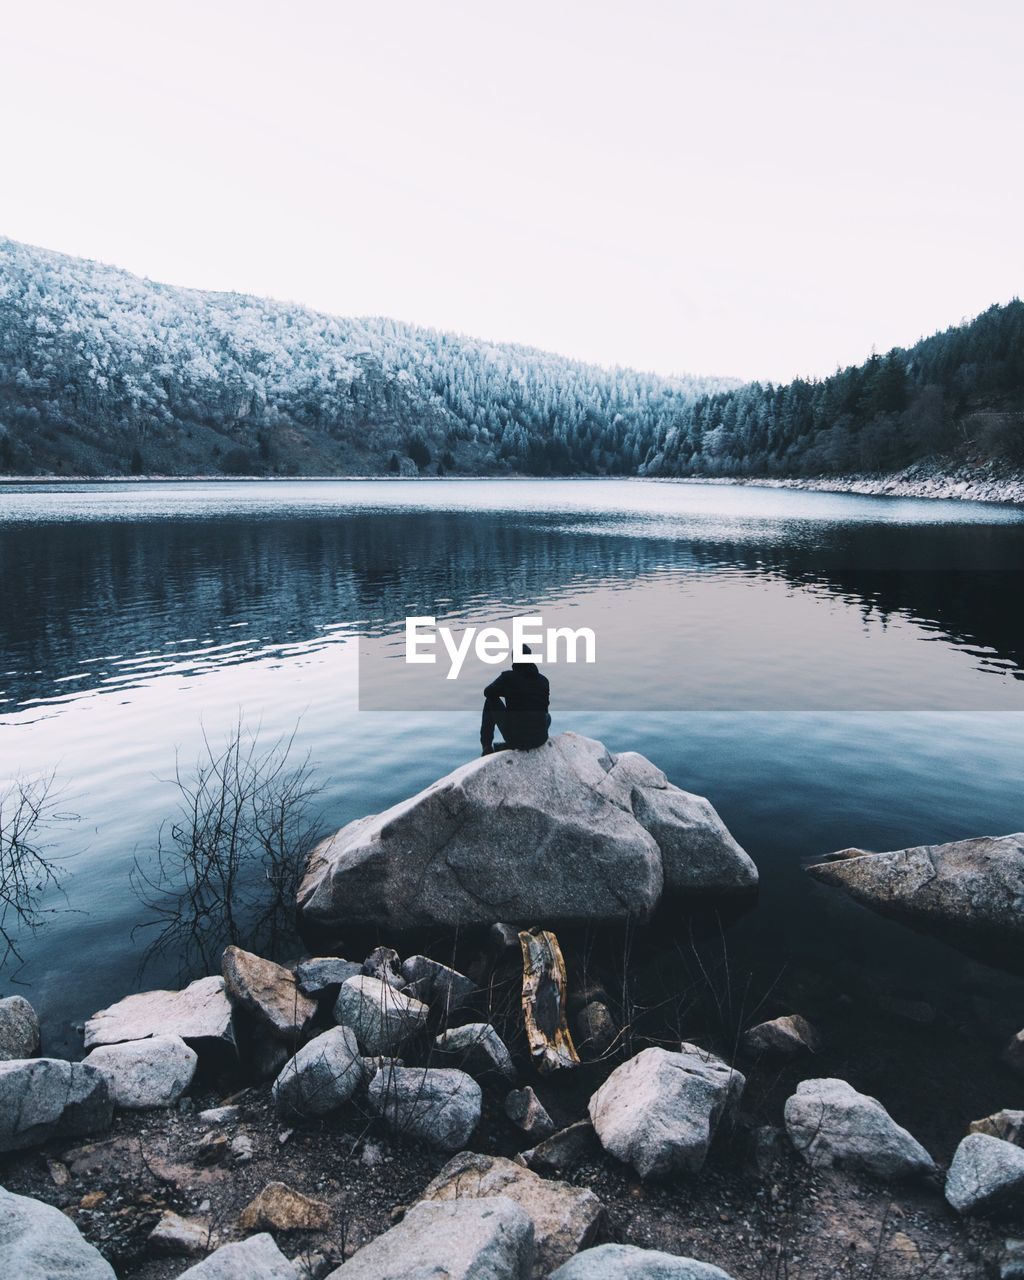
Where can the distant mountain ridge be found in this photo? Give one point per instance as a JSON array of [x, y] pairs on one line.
[[104, 373]]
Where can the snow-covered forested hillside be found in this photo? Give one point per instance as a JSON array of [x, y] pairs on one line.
[[103, 372]]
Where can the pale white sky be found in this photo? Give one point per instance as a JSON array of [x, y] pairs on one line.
[[762, 188]]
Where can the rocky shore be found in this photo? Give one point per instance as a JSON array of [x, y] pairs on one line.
[[982, 482], [485, 1108]]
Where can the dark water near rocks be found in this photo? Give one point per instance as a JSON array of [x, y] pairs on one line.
[[830, 670]]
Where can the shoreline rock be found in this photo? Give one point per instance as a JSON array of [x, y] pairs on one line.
[[659, 1111], [200, 1013], [830, 1124], [970, 892]]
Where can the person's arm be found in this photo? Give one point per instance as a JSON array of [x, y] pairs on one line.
[[496, 689]]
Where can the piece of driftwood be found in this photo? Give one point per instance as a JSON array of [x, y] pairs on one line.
[[544, 1001]]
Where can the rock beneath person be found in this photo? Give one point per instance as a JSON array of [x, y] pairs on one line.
[[553, 834]]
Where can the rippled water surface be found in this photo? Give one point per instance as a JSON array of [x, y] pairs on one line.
[[830, 670]]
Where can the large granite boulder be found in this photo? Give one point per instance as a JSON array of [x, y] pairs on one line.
[[146, 1073], [43, 1098], [986, 1176], [565, 832], [659, 1111], [565, 1218], [970, 892], [628, 1262], [440, 1106], [19, 1029], [466, 1239], [38, 1242], [830, 1124], [200, 1014]]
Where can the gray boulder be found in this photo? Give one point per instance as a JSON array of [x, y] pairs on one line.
[[436, 984], [986, 1176], [525, 1109], [268, 992], [38, 1242], [1005, 1124], [324, 974], [200, 1014], [627, 1262], [385, 964], [478, 1049], [257, 1258], [42, 1098], [564, 1150], [321, 1077], [467, 1239], [554, 834], [781, 1037], [438, 1106], [659, 1111], [594, 1030], [565, 1218], [832, 1125], [146, 1073], [19, 1029], [382, 1018], [1013, 1054], [971, 891]]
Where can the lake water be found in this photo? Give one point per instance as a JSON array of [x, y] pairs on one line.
[[830, 670]]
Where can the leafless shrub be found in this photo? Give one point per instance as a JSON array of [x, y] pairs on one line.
[[28, 810], [227, 869]]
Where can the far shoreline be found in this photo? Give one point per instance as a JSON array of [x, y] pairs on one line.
[[920, 480]]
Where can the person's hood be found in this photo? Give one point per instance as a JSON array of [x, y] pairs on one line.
[[526, 668]]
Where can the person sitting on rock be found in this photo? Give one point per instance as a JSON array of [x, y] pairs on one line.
[[517, 705]]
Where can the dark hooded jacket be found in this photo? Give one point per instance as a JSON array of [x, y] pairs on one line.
[[526, 695]]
